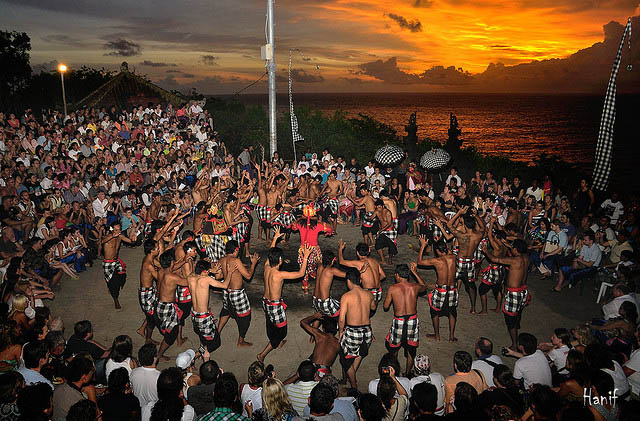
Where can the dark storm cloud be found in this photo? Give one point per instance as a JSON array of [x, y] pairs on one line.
[[299, 75], [413, 25], [44, 67], [388, 71], [122, 48], [209, 60], [422, 3], [150, 63], [65, 40]]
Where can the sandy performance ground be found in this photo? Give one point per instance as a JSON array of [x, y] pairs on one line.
[[88, 298]]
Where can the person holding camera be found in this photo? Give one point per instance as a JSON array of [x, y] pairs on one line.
[[393, 395]]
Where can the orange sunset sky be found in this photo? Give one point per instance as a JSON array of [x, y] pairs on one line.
[[361, 45]]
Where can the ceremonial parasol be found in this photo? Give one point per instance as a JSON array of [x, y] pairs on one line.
[[435, 159], [389, 154]]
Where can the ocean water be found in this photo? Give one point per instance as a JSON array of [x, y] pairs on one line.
[[520, 126]]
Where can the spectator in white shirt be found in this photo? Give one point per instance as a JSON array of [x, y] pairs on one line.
[[422, 374], [486, 361], [454, 176], [100, 205], [326, 156], [535, 191], [144, 379], [389, 360], [599, 357], [613, 208], [621, 293], [558, 349], [369, 169], [532, 366], [377, 177]]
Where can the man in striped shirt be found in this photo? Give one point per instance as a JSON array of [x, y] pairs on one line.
[[299, 391]]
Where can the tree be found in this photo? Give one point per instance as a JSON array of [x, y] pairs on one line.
[[14, 62]]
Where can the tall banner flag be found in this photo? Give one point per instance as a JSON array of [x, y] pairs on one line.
[[604, 147], [297, 137]]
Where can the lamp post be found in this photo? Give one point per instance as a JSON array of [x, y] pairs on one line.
[[62, 69]]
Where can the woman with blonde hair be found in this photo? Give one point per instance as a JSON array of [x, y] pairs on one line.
[[276, 405], [18, 306]]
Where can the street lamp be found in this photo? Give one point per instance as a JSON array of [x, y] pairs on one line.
[[62, 69]]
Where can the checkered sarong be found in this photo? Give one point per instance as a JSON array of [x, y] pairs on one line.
[[111, 267], [169, 315], [183, 294], [368, 219], [236, 301], [404, 330], [515, 299], [215, 245], [333, 204], [377, 293], [204, 325], [478, 255], [465, 266], [261, 212], [275, 311], [493, 275], [443, 294], [356, 341], [240, 232], [285, 220], [604, 147], [329, 307], [391, 234], [148, 300]]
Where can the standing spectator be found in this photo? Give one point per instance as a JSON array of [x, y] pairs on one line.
[[225, 395], [532, 365], [486, 361], [118, 403], [299, 391], [144, 379], [463, 373]]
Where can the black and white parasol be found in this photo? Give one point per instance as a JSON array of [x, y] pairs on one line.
[[435, 159], [389, 154]]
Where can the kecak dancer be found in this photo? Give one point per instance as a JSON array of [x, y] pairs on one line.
[[493, 275], [370, 271], [115, 270], [235, 302], [148, 294], [387, 234], [355, 325], [517, 296], [403, 295], [272, 302], [468, 237], [326, 346], [309, 229], [185, 254], [443, 300], [333, 188], [204, 324], [368, 220], [323, 302]]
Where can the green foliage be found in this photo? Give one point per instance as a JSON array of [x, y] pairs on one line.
[[14, 62]]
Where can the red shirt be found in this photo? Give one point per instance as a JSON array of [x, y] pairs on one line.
[[309, 236]]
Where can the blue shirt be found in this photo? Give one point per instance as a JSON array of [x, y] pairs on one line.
[[558, 238], [591, 254], [340, 406], [33, 377]]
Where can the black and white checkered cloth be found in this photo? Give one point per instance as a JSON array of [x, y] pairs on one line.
[[169, 315], [377, 293], [275, 311], [284, 219], [148, 300], [478, 255], [297, 137], [368, 219], [183, 294], [389, 155], [391, 234], [434, 159], [236, 301], [111, 267], [404, 330], [204, 325], [356, 341], [493, 275], [604, 147], [333, 204], [515, 299], [443, 294], [329, 307], [467, 267]]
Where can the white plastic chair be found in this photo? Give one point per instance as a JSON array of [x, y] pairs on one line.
[[603, 290]]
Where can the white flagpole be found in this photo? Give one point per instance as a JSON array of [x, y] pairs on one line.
[[271, 67]]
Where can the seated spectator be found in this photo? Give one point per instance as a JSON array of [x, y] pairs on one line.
[[170, 399], [557, 351], [275, 403], [120, 356], [35, 357], [57, 363], [300, 390], [572, 389], [320, 404], [619, 246], [201, 395], [423, 403], [84, 410], [532, 366], [543, 404], [389, 360], [185, 361], [11, 383], [505, 392], [619, 334], [225, 395], [370, 408], [583, 266], [144, 379], [602, 386], [599, 357], [34, 403], [422, 374], [621, 293], [465, 404], [79, 373], [253, 390], [463, 373], [388, 388], [82, 342], [486, 361], [118, 403], [343, 406]]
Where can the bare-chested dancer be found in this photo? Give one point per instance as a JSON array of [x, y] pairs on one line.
[[235, 302], [326, 346], [167, 310], [369, 269], [403, 295], [493, 275], [186, 254], [387, 234], [443, 300], [203, 322], [148, 294], [355, 325], [115, 270], [468, 234], [516, 295], [261, 207], [272, 302], [333, 188], [368, 220], [323, 302]]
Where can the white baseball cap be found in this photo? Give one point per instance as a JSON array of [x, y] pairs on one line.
[[184, 359]]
